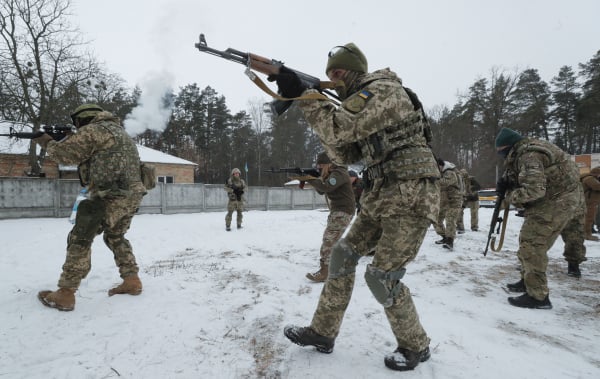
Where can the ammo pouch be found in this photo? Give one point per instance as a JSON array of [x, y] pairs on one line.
[[148, 175]]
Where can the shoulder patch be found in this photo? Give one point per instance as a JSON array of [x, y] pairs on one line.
[[357, 102], [332, 181]]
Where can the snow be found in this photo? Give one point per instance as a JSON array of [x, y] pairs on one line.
[[215, 303]]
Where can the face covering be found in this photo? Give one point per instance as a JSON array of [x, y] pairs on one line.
[[348, 85], [504, 152]]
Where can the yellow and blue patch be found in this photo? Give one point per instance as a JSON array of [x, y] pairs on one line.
[[365, 94]]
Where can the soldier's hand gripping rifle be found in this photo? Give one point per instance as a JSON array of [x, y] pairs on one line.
[[56, 132], [270, 67], [498, 221]]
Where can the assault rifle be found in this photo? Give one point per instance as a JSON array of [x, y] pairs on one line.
[[498, 221], [268, 67], [56, 132], [297, 171]]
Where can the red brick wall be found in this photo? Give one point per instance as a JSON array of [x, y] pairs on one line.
[[180, 173], [17, 165]]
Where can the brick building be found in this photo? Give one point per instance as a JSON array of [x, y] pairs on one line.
[[14, 162]]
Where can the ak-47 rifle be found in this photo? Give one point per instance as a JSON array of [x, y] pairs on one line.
[[300, 172], [56, 132], [498, 221], [269, 67]]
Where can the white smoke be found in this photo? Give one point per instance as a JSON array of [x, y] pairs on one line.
[[154, 107]]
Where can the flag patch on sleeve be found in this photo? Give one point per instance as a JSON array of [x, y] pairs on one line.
[[365, 94]]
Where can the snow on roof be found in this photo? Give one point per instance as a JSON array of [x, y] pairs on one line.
[[21, 146], [154, 156]]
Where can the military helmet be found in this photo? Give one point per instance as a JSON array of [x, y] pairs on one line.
[[322, 158], [85, 111], [348, 57]]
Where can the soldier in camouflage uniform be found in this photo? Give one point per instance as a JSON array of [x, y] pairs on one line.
[[591, 190], [542, 179], [382, 124], [109, 165], [235, 187], [452, 192], [334, 183], [471, 201]]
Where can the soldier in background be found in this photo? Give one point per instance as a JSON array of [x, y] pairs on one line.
[[334, 183], [452, 192], [109, 165], [542, 179], [591, 190], [235, 187], [357, 188], [470, 200], [382, 124]]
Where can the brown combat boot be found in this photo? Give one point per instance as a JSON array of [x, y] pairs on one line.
[[319, 276], [62, 299], [131, 286]]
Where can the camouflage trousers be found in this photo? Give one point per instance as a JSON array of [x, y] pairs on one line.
[[337, 222], [543, 223], [396, 226], [474, 207], [449, 213], [95, 216], [234, 205]]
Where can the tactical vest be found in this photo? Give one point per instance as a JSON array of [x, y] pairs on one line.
[[400, 151], [561, 173], [112, 171]]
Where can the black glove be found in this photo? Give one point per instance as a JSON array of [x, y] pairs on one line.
[[502, 185], [288, 82]]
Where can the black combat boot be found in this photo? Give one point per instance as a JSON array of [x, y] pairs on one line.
[[573, 270], [439, 242], [460, 231], [449, 244], [517, 287], [228, 228], [239, 226], [304, 336], [404, 360], [526, 301]]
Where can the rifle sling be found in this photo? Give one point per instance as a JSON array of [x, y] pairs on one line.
[[502, 231], [311, 96]]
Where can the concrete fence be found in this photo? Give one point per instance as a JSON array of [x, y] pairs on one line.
[[36, 197]]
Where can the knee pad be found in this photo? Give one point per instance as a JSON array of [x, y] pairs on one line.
[[384, 285], [88, 222], [343, 259]]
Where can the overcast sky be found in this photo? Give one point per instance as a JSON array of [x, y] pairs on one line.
[[438, 47]]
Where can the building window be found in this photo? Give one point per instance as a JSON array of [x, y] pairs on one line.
[[165, 179]]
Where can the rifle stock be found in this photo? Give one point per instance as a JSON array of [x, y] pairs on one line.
[[267, 66]]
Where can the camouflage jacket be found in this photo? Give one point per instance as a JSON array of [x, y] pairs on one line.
[[378, 125], [235, 188], [337, 189], [107, 158], [451, 183], [539, 171], [591, 187]]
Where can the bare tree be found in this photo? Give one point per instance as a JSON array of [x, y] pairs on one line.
[[41, 62], [261, 122]]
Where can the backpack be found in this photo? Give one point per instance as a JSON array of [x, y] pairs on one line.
[[148, 175]]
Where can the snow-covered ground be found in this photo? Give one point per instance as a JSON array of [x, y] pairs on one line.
[[215, 303]]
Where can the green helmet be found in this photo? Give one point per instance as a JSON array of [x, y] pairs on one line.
[[85, 111], [348, 57]]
